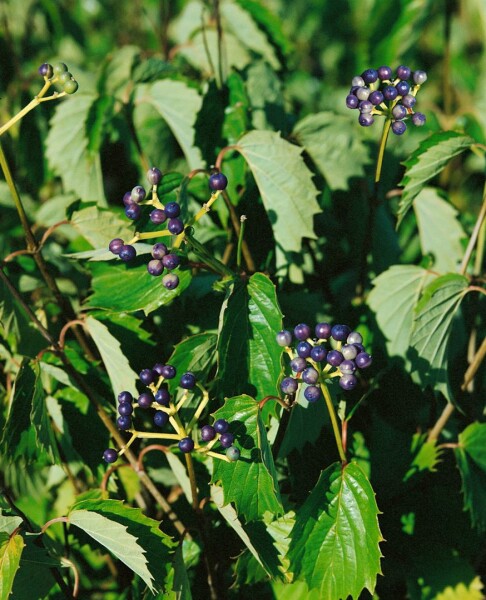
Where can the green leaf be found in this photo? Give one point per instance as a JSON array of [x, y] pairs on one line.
[[471, 461], [10, 553], [335, 540], [119, 287], [251, 482], [437, 221], [471, 591], [432, 329], [117, 73], [67, 149], [426, 455], [285, 184], [99, 226], [178, 104], [330, 140], [121, 375], [248, 357], [126, 532], [393, 299], [429, 159], [265, 94], [9, 524], [197, 354], [35, 565]]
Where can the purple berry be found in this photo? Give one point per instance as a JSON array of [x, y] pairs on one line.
[[384, 73], [218, 181], [352, 101], [403, 72], [125, 409], [221, 426], [145, 400], [147, 376], [370, 75], [125, 397], [160, 418], [340, 332], [409, 101], [365, 106], [418, 119], [188, 381], [158, 216], [298, 364], [116, 245], [318, 353], [347, 367], [284, 338], [376, 97], [363, 93], [208, 433], [348, 382], [175, 226], [354, 338], [138, 193], [390, 92], [226, 439], [310, 376], [162, 396], [124, 422], [172, 210], [312, 393], [398, 127], [323, 331], [170, 281], [155, 267], [168, 372], [363, 360], [365, 119], [302, 331], [154, 176], [159, 250], [186, 445], [289, 385], [402, 88], [232, 453], [419, 77], [334, 358], [127, 199], [127, 253], [171, 261], [304, 349], [46, 70], [133, 211], [399, 112], [110, 455], [349, 351]]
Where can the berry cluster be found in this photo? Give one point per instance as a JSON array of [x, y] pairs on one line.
[[379, 92], [59, 74], [312, 363]]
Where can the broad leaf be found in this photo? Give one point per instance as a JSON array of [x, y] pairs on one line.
[[248, 357], [335, 540], [393, 299], [196, 354], [178, 104], [67, 149], [429, 159], [121, 375], [35, 565], [126, 532], [251, 482], [285, 184], [100, 226], [426, 455], [471, 460], [118, 287], [9, 524], [10, 553], [118, 71], [437, 221], [330, 140], [470, 591], [432, 329]]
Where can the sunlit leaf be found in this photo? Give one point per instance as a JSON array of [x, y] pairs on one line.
[[426, 455], [10, 553], [471, 460]]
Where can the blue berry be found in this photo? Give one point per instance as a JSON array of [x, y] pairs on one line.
[[357, 81], [171, 261], [175, 226], [323, 331], [359, 347], [127, 199], [348, 382], [125, 409], [188, 381], [390, 92], [298, 364], [145, 400], [384, 73], [168, 372], [124, 422], [318, 353], [159, 250], [302, 331], [232, 453], [116, 245], [162, 396], [370, 75], [284, 338], [398, 127], [340, 332], [289, 385], [133, 211], [170, 281], [347, 367], [399, 112], [310, 376], [221, 426], [354, 338], [418, 119], [403, 72], [363, 360], [402, 88], [349, 351], [147, 376], [419, 77], [160, 418], [186, 445], [226, 439], [46, 70], [304, 349], [110, 455], [365, 106], [376, 97], [172, 210], [208, 433], [158, 216], [409, 101], [363, 93], [218, 181], [155, 267], [125, 397], [334, 358], [365, 119], [127, 253], [154, 176], [352, 101], [312, 393], [137, 194]]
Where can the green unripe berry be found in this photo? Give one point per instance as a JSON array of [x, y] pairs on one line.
[[64, 77], [233, 453], [71, 86], [59, 68]]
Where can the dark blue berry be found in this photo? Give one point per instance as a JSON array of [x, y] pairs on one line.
[[310, 376], [175, 226], [359, 347], [127, 253], [403, 72], [365, 106], [188, 381], [363, 360], [46, 70], [340, 332], [110, 455], [226, 439], [302, 331], [384, 73], [162, 396], [155, 267], [159, 250], [399, 112], [133, 211], [284, 338], [170, 281], [418, 119], [304, 349], [348, 382], [347, 367], [125, 397], [289, 385], [172, 210], [233, 453], [419, 77], [312, 393], [154, 176], [160, 418], [298, 364], [409, 101], [186, 445], [125, 409], [116, 245], [390, 92], [138, 193], [208, 433], [318, 353], [352, 101], [365, 119], [171, 261], [398, 127], [370, 75], [376, 97], [145, 400], [124, 422], [221, 426], [147, 376], [127, 199], [323, 331], [218, 181], [168, 372], [158, 216], [403, 88], [334, 358]]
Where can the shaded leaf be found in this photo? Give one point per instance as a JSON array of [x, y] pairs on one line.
[[330, 140], [10, 553], [429, 159], [117, 72], [8, 524], [196, 354], [251, 482], [339, 523], [285, 184], [99, 226], [265, 94], [471, 460]]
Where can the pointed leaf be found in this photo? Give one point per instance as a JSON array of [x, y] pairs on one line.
[[437, 221], [10, 553], [121, 375], [285, 184], [99, 226], [178, 104], [251, 482], [330, 140], [196, 354], [248, 357], [432, 329], [393, 299], [429, 159], [463, 591], [8, 524], [335, 540], [426, 455], [68, 152]]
